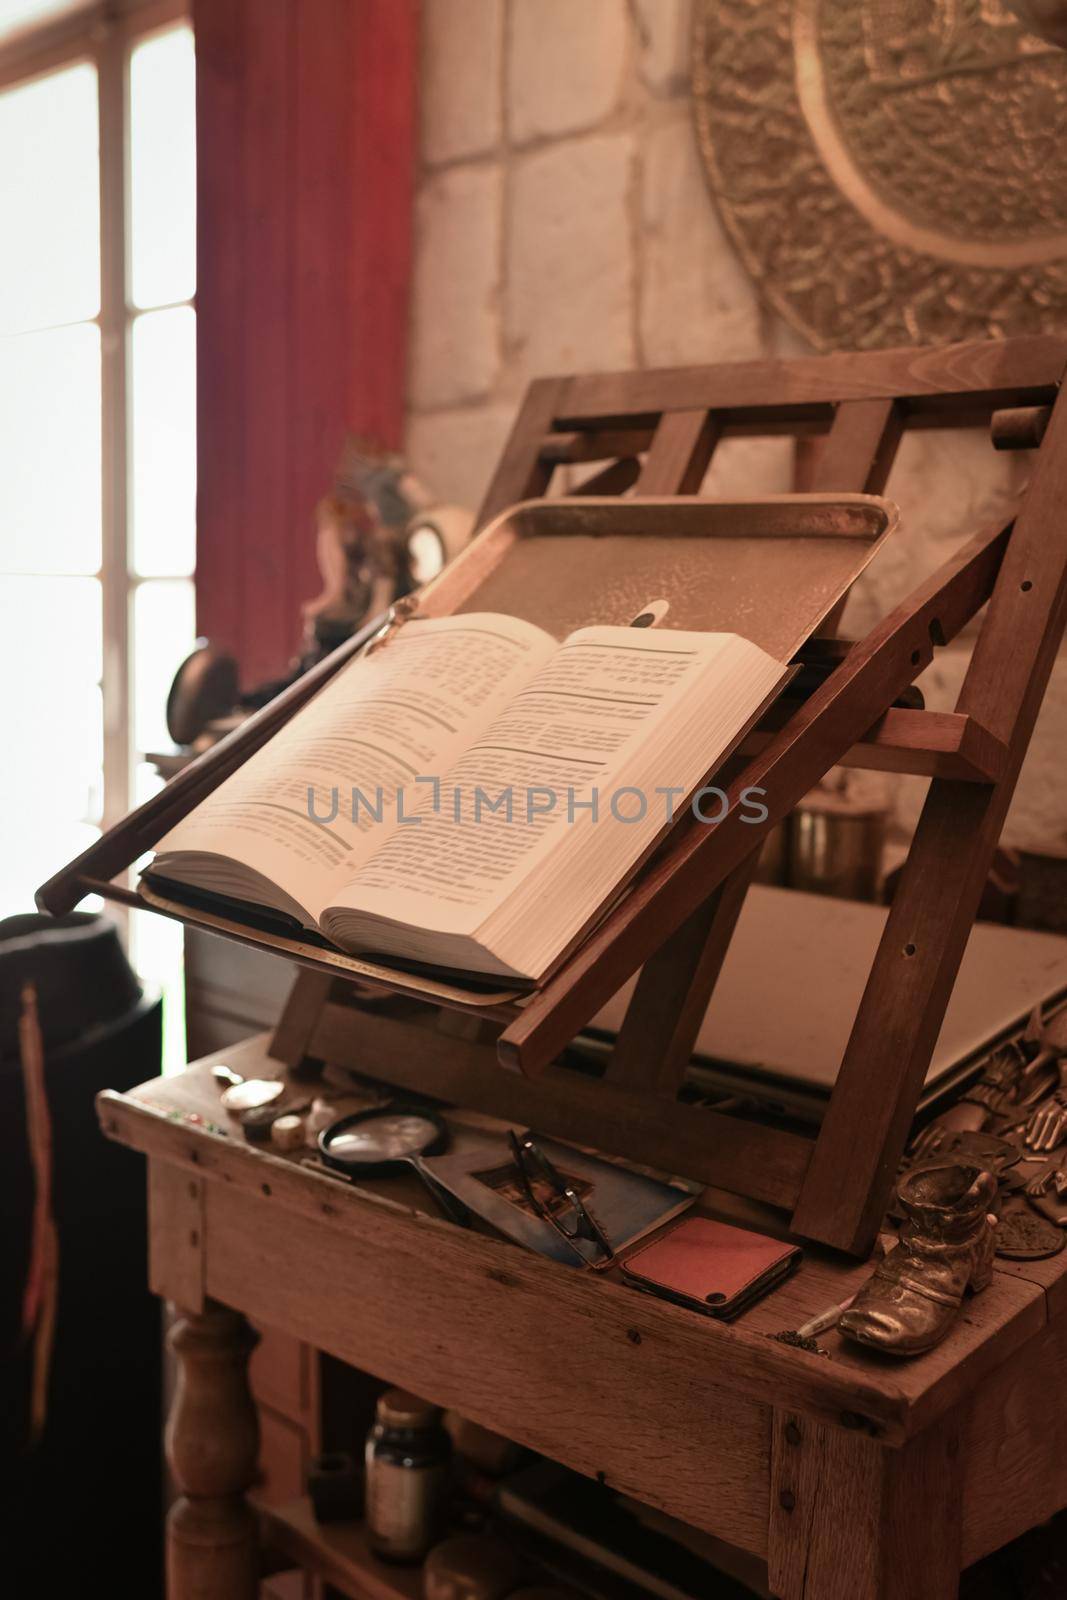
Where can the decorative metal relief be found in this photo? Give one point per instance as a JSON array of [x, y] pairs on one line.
[[891, 171]]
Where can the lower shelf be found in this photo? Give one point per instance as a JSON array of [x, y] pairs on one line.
[[337, 1552]]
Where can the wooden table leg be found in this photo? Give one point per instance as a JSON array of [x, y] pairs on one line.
[[212, 1443], [853, 1520]]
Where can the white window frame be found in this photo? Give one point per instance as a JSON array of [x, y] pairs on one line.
[[104, 34]]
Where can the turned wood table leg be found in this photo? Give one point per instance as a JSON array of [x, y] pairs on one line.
[[212, 1442], [853, 1520]]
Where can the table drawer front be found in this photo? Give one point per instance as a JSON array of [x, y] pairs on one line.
[[630, 1404]]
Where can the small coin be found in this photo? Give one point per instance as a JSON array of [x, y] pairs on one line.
[[1022, 1236]]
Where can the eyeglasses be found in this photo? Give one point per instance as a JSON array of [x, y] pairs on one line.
[[572, 1219]]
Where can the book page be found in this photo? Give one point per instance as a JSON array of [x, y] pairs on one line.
[[308, 807], [545, 763]]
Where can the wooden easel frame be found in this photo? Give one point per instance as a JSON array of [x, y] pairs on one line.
[[658, 430]]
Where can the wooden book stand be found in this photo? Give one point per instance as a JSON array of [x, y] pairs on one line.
[[658, 430]]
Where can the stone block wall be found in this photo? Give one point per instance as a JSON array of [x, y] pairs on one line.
[[563, 224]]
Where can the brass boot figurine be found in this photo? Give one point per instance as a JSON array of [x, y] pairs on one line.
[[945, 1247]]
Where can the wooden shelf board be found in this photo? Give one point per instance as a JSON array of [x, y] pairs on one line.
[[338, 1553]]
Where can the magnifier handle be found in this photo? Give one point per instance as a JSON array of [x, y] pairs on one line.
[[453, 1207]]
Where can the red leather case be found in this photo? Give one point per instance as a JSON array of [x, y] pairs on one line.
[[710, 1266]]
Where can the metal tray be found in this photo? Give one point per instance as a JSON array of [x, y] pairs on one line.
[[771, 569]]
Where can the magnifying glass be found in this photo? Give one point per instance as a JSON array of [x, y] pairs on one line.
[[373, 1143]]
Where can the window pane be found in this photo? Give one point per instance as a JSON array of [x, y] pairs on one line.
[[164, 632], [50, 451], [163, 169], [163, 417], [51, 728], [43, 848], [50, 201]]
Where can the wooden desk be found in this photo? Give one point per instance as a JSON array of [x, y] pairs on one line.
[[853, 1478]]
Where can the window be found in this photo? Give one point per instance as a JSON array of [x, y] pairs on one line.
[[97, 443]]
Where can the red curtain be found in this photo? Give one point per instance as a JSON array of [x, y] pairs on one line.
[[306, 149]]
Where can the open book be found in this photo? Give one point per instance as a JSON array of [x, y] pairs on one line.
[[472, 794]]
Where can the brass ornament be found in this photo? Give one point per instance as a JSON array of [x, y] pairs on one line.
[[891, 171], [945, 1247]]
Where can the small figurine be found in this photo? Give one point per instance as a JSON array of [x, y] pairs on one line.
[[1048, 1124], [1046, 1080], [945, 1247], [994, 1095], [966, 1116], [1014, 1079], [1052, 1177], [360, 549], [380, 535]]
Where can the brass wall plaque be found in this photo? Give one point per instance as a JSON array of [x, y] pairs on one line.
[[891, 171]]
